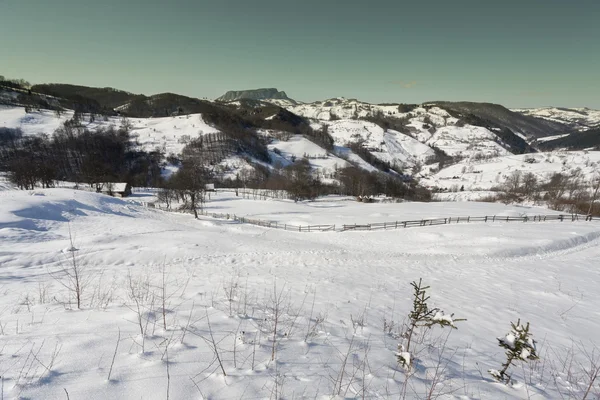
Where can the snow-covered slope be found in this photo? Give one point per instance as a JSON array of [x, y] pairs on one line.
[[431, 126], [485, 174], [577, 118], [169, 134], [297, 147], [423, 129], [341, 108], [340, 294]]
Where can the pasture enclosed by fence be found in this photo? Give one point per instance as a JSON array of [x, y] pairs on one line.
[[398, 224]]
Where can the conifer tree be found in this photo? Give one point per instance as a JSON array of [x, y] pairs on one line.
[[421, 316], [519, 346]]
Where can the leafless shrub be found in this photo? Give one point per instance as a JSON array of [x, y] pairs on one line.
[[74, 276]]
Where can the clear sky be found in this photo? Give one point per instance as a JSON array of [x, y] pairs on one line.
[[520, 53]]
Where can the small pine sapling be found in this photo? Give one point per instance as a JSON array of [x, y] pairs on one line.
[[519, 346], [421, 316]]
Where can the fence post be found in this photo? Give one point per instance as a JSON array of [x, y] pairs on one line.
[[458, 220], [405, 224], [469, 218], [450, 220], [561, 217], [396, 225], [485, 220]]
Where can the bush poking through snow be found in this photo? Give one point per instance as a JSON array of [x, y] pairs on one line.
[[421, 316], [519, 346]]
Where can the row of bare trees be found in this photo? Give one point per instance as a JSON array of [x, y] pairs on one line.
[[77, 154], [572, 191]]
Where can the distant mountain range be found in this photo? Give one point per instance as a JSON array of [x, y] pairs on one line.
[[445, 144], [517, 130]]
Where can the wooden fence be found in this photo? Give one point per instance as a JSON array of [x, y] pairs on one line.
[[457, 220], [398, 224], [271, 224]]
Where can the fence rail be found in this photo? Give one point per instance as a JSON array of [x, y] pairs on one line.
[[391, 225], [271, 224], [457, 220], [399, 224]]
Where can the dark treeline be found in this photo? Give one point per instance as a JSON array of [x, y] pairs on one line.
[[301, 183], [260, 115], [14, 83], [588, 139], [76, 154]]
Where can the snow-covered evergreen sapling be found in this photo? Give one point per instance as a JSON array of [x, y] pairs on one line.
[[421, 316], [519, 346]]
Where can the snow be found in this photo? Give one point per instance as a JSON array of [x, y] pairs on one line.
[[490, 274], [466, 141], [298, 147], [391, 146], [485, 174], [169, 133], [441, 317], [341, 210], [341, 108], [579, 118], [554, 137]]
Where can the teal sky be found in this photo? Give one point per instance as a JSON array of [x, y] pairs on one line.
[[520, 53]]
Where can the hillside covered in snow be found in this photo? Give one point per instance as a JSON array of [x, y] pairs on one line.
[[469, 146]]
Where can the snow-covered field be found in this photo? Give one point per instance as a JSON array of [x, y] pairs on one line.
[[341, 210], [486, 174], [223, 285]]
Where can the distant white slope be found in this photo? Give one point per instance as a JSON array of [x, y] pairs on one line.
[[579, 118], [390, 146], [486, 174], [34, 123], [169, 133], [432, 126], [297, 147], [466, 141], [340, 108]]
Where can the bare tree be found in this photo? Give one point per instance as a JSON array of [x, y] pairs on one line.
[[595, 188], [72, 277]]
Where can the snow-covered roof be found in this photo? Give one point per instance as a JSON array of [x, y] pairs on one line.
[[113, 187]]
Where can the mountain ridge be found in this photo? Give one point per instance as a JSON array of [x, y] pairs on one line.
[[254, 94]]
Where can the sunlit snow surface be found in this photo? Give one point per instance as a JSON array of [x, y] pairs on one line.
[[336, 290]]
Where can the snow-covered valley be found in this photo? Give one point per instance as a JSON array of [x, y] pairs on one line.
[[210, 292]]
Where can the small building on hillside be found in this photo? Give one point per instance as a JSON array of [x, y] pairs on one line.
[[209, 187], [116, 189]]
